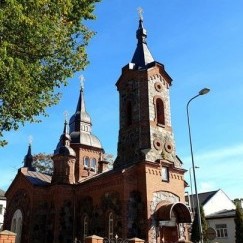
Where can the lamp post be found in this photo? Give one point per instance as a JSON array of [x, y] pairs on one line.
[[201, 92], [191, 198]]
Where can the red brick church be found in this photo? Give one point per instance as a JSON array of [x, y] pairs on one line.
[[142, 196]]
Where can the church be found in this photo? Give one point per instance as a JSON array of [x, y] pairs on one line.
[[142, 196]]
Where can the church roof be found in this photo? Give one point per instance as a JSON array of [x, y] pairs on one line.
[[37, 178], [142, 56]]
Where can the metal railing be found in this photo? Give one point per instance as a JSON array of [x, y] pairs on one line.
[[116, 239]]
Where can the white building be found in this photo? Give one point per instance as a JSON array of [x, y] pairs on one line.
[[2, 207], [219, 211]]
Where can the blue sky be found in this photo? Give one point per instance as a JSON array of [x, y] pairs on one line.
[[201, 45]]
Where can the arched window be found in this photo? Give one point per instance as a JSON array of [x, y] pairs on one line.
[[85, 222], [129, 113], [16, 224], [110, 226], [86, 162], [93, 164], [160, 112]]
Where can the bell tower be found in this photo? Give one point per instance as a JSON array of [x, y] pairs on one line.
[[145, 132]]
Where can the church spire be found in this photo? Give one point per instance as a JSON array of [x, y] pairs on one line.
[[63, 147], [28, 159], [81, 102], [142, 55], [80, 123]]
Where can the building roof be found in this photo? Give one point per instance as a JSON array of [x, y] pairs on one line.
[[222, 214], [203, 197], [142, 56], [2, 195], [37, 178]]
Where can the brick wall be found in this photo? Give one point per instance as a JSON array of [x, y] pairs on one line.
[[7, 237]]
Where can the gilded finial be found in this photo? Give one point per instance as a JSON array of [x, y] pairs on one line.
[[140, 13], [81, 78]]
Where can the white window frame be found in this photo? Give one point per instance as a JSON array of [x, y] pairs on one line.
[[86, 162], [222, 231], [93, 164], [165, 173]]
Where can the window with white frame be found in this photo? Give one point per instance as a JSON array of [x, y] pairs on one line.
[[86, 162], [1, 209], [221, 230], [165, 173], [93, 164], [110, 226]]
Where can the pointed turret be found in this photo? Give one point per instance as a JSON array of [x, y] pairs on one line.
[[87, 146], [63, 147], [142, 56], [81, 126], [28, 159], [64, 160]]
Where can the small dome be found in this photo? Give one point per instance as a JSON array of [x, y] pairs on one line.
[[65, 151], [85, 139], [63, 146]]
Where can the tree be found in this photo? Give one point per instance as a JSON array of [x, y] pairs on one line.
[[238, 224], [43, 163], [195, 235], [42, 43], [203, 222]]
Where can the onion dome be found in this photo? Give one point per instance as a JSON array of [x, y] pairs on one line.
[[63, 147], [80, 125]]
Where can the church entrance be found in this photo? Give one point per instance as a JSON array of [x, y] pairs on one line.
[[168, 234], [170, 217]]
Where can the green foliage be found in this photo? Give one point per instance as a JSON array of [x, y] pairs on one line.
[[42, 43], [195, 235], [203, 222], [43, 163], [238, 224]]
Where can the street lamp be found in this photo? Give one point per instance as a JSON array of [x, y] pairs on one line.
[[191, 198], [201, 92]]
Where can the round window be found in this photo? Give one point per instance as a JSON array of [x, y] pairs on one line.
[[157, 144], [168, 147], [158, 86]]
